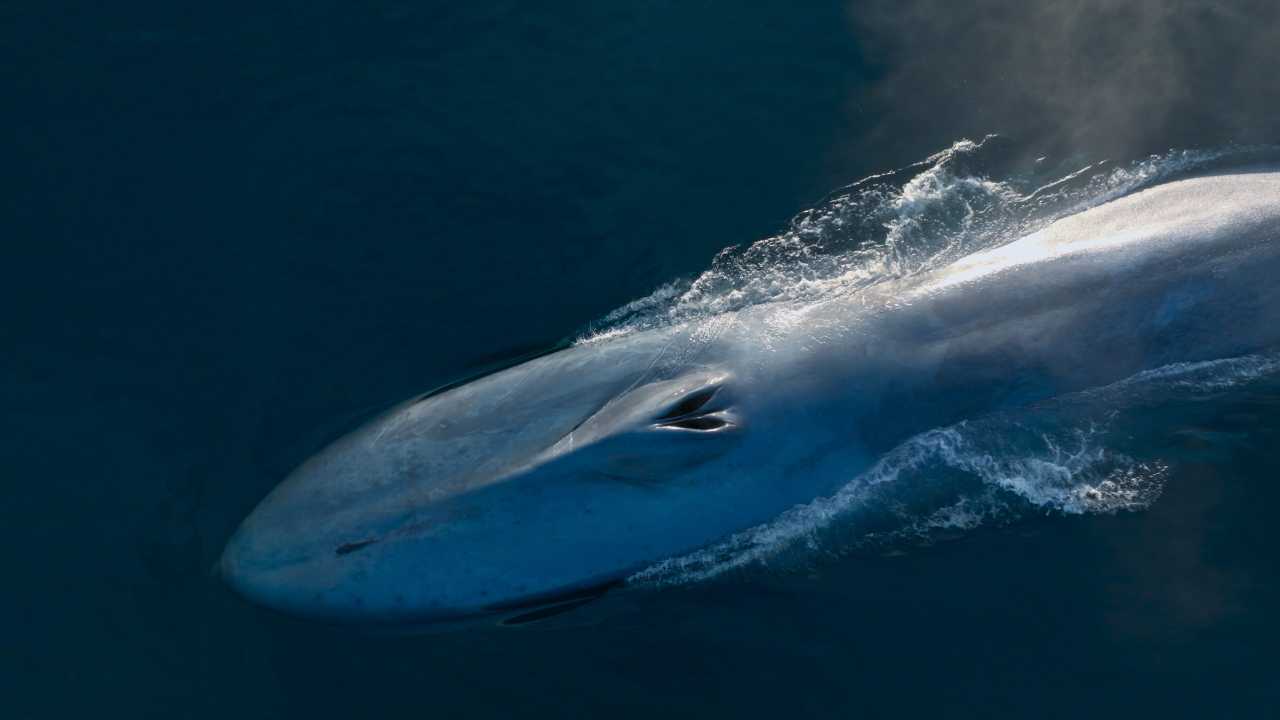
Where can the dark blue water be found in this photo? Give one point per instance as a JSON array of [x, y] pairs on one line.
[[231, 231]]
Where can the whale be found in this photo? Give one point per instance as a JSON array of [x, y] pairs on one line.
[[540, 486]]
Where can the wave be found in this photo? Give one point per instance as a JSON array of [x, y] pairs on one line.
[[1088, 452], [969, 197], [1085, 452]]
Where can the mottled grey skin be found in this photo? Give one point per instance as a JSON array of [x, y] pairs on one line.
[[581, 467]]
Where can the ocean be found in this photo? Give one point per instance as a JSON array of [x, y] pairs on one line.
[[233, 231]]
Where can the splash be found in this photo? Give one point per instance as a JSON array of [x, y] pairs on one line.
[[967, 198], [1074, 454], [1064, 456]]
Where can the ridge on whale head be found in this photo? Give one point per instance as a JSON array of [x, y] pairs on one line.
[[546, 482]]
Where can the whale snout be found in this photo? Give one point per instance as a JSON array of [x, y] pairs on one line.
[[256, 566], [518, 490], [244, 572]]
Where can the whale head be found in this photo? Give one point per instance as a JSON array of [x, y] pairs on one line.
[[520, 489]]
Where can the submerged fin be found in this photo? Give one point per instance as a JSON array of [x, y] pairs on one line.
[[544, 613], [549, 605]]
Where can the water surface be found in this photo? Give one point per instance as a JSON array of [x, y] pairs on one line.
[[232, 231]]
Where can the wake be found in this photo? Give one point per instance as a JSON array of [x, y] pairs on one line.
[[1086, 452], [1103, 450], [895, 225]]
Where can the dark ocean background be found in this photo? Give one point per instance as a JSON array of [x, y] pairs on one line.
[[232, 230]]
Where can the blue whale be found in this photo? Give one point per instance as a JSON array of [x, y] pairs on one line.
[[539, 486]]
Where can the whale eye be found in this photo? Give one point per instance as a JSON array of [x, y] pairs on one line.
[[689, 404]]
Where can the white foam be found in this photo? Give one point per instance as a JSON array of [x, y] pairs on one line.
[[1211, 375], [1054, 458], [890, 226]]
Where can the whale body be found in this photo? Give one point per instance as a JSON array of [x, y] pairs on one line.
[[542, 484]]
